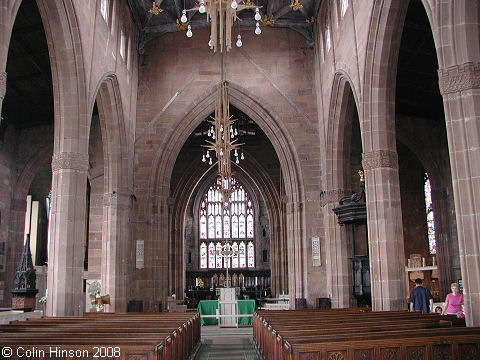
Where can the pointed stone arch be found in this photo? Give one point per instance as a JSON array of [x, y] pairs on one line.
[[342, 101], [294, 197], [255, 181], [116, 247]]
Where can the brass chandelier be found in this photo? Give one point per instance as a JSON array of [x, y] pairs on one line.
[[222, 14], [224, 141]]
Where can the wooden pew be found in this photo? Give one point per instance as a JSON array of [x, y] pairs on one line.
[[462, 344], [283, 334], [139, 336]]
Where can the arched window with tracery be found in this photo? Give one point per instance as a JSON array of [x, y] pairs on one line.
[[234, 224], [432, 243]]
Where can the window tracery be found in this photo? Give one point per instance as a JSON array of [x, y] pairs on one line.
[[235, 223]]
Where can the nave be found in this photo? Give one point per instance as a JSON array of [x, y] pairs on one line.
[[227, 343]]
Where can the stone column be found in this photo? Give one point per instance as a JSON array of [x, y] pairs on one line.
[[281, 251], [67, 234], [116, 252], [3, 89], [278, 263], [460, 88], [295, 250], [385, 233], [336, 252]]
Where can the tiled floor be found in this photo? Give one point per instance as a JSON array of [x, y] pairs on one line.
[[227, 344]]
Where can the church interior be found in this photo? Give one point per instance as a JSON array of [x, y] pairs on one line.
[[317, 151]]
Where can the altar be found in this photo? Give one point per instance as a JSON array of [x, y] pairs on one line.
[[209, 307]]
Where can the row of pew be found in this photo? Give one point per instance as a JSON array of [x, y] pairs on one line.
[[351, 334], [127, 336]]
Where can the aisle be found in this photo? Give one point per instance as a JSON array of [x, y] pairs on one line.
[[227, 344]]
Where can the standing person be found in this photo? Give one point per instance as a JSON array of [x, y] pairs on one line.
[[453, 301], [421, 299]]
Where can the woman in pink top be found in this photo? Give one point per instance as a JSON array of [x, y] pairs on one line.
[[454, 301]]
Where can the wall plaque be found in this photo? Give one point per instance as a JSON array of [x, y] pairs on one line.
[[316, 251], [140, 262]]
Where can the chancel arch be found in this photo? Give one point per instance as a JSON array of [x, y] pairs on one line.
[[281, 145]]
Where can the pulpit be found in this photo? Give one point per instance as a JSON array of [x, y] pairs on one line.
[[352, 212]]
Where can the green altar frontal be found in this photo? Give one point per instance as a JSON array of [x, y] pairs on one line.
[[209, 307]]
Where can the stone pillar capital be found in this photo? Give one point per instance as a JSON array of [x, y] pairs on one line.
[[3, 84], [380, 159], [69, 161], [459, 77]]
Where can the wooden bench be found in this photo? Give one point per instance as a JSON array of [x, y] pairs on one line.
[[122, 336], [286, 334], [462, 344]]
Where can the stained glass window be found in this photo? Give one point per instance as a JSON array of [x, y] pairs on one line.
[[250, 254], [241, 254], [432, 243], [203, 221], [217, 224], [211, 255], [203, 255], [235, 258]]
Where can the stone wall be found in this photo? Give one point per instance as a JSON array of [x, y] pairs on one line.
[[179, 75]]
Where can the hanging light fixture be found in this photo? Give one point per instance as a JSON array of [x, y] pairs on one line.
[[222, 14], [223, 145]]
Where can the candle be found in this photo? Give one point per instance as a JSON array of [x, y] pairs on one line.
[[196, 281], [433, 260], [408, 262], [423, 261]]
